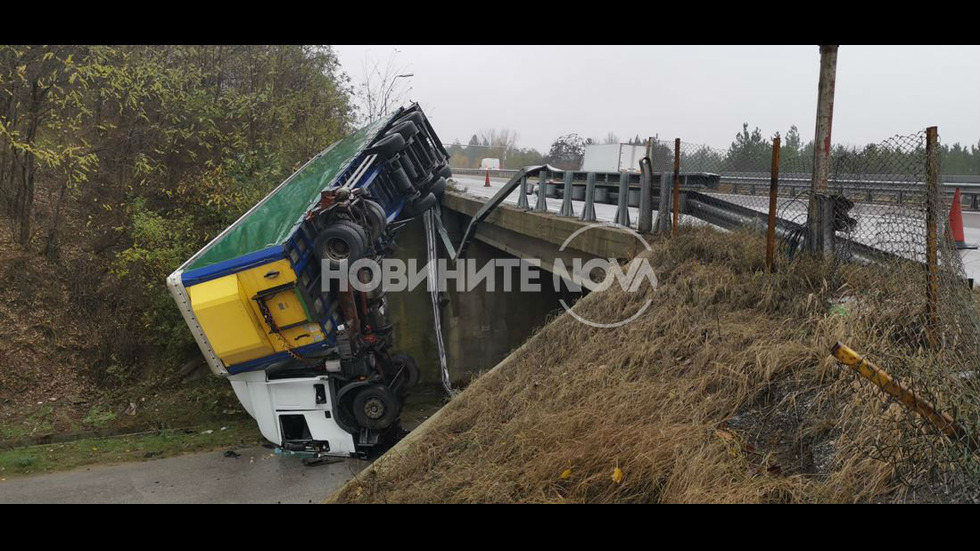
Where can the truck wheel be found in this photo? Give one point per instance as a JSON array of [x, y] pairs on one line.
[[376, 407], [420, 205], [438, 187], [406, 130], [345, 415], [405, 369], [415, 117], [387, 146], [340, 242], [377, 220], [401, 179], [444, 170]]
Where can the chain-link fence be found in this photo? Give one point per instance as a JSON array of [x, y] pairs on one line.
[[904, 286], [887, 197]]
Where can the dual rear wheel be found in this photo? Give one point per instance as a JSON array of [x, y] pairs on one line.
[[346, 241], [378, 406]]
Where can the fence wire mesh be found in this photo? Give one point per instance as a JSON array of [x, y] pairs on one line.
[[879, 278]]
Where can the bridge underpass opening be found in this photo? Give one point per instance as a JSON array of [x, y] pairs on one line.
[[480, 328]]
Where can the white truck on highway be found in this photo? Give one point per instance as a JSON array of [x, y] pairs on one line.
[[490, 163], [615, 157]]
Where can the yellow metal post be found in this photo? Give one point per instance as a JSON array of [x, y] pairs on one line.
[[942, 421]]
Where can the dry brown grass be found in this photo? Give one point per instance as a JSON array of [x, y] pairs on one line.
[[724, 391]]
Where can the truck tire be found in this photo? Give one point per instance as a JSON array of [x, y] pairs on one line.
[[376, 407], [444, 170], [377, 220], [420, 205], [402, 182], [414, 116], [343, 241], [405, 368], [438, 186], [406, 130], [409, 167], [387, 146]]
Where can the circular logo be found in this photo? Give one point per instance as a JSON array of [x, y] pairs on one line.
[[611, 272]]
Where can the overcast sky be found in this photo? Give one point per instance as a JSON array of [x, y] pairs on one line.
[[701, 94]]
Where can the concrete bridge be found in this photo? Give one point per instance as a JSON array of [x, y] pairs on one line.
[[481, 328]]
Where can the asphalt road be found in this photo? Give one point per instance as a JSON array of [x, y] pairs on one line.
[[257, 476]]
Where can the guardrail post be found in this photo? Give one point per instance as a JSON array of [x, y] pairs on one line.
[[522, 200], [623, 208], [932, 234], [588, 211], [773, 193], [566, 201], [677, 184], [542, 204], [645, 223]]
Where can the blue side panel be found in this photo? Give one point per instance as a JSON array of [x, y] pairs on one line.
[[262, 363], [227, 267]]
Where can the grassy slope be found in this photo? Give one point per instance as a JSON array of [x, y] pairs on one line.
[[723, 391], [48, 350]]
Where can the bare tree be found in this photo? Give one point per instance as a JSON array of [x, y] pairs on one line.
[[611, 138], [498, 142], [381, 90]]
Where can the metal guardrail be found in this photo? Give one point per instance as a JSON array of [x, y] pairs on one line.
[[714, 210], [730, 216], [894, 189], [873, 190], [607, 179]]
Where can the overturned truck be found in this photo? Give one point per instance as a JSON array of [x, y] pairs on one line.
[[312, 363]]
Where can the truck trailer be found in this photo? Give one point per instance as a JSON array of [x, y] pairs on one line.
[[311, 362], [611, 158]]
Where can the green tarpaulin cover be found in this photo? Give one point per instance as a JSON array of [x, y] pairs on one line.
[[279, 214]]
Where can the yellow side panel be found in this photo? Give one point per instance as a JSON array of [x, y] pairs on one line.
[[301, 335], [266, 276], [222, 309], [286, 308]]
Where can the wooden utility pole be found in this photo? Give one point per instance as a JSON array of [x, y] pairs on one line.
[[821, 150]]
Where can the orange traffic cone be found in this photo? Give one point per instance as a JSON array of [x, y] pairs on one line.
[[488, 179], [956, 222]]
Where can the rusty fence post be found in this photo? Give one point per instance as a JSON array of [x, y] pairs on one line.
[[677, 184], [932, 233], [773, 193]]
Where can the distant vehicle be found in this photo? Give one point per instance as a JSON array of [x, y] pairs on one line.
[[616, 157], [490, 163]]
